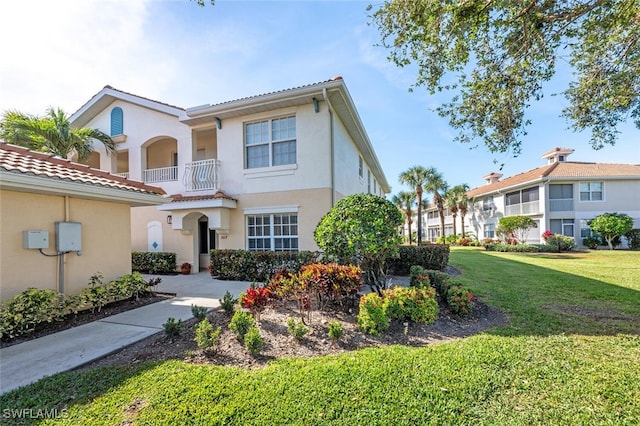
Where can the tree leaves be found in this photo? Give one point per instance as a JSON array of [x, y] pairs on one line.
[[495, 56]]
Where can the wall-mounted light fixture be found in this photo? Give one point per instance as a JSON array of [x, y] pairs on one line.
[[169, 219]]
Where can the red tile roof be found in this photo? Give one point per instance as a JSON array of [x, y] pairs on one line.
[[177, 198], [16, 159], [561, 170]]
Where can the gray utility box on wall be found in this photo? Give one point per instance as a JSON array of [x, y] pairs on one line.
[[35, 239], [68, 236]]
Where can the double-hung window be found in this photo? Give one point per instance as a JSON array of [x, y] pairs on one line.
[[275, 232], [591, 191], [270, 142], [489, 230]]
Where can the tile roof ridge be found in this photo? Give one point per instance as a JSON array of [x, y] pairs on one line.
[[273, 92], [143, 97]]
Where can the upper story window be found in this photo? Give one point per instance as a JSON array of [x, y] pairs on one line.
[[487, 203], [375, 187], [117, 123], [360, 167], [591, 191], [368, 181], [561, 191], [270, 142]]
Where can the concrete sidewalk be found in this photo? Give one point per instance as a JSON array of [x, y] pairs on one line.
[[30, 361]]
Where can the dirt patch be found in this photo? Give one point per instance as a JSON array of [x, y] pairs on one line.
[[591, 313]]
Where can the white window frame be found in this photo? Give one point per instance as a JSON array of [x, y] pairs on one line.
[[590, 191], [267, 231], [489, 230], [270, 142]]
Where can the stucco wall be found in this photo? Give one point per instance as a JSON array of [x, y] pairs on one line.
[[105, 242]]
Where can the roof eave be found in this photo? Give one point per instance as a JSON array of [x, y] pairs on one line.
[[45, 185]]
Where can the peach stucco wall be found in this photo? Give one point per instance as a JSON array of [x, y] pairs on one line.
[[106, 241]]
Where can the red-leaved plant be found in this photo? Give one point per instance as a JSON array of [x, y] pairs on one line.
[[256, 300]]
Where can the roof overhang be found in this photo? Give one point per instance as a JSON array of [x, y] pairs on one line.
[[45, 185], [199, 204]]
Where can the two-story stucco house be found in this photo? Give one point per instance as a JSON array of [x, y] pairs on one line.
[[561, 196], [256, 173]]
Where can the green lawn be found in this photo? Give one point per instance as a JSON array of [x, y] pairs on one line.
[[571, 355]]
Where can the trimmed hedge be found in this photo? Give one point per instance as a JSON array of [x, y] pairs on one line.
[[257, 266], [153, 262], [523, 248], [434, 256]]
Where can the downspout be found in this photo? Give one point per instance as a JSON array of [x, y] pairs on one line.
[[332, 148], [61, 257]]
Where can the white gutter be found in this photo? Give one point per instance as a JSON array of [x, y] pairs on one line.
[[46, 185]]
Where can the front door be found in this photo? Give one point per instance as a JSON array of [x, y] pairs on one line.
[[206, 241]]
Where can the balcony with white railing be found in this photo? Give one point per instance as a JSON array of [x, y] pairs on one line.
[[561, 205], [163, 174], [530, 207], [123, 174], [202, 175]]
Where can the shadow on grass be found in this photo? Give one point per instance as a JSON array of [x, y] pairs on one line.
[[542, 300], [52, 397]]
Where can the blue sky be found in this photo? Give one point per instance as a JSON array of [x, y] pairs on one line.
[[63, 52]]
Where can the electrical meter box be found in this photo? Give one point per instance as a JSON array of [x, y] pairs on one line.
[[68, 236], [35, 239]]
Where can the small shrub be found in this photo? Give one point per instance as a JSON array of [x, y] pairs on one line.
[[634, 238], [228, 303], [253, 341], [414, 272], [199, 312], [296, 329], [411, 304], [336, 331], [153, 262], [98, 294], [20, 314], [562, 242], [172, 328], [206, 337], [459, 300], [433, 256], [438, 280], [591, 242], [255, 299], [372, 318], [240, 323]]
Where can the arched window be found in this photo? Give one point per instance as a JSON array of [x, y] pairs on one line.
[[116, 121]]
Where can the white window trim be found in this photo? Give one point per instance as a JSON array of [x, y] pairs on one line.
[[270, 142], [271, 210], [260, 172], [592, 201], [272, 237]]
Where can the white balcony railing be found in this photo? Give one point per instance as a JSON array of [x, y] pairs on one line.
[[163, 174], [201, 175], [530, 207], [123, 174]]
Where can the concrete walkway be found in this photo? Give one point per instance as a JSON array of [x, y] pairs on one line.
[[30, 361]]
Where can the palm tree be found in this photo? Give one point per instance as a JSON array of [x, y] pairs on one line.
[[436, 184], [463, 203], [52, 133], [456, 201], [415, 177], [451, 202], [404, 201]]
